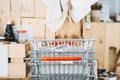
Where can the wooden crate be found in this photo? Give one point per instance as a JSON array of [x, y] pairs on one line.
[[18, 50], [17, 66], [106, 36], [112, 39], [18, 70]]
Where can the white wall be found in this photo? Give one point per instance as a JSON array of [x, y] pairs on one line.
[[112, 5]]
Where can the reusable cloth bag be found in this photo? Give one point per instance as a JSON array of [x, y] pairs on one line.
[[57, 11]]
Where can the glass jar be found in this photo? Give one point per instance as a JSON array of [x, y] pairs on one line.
[[21, 36]]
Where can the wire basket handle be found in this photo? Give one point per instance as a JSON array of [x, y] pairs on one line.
[[60, 58]]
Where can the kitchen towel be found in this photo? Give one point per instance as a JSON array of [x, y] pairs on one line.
[[80, 9], [3, 60], [56, 13]]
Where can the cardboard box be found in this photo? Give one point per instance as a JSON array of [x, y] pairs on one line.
[[18, 50]]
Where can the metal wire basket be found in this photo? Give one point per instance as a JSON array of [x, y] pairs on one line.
[[61, 60], [86, 44]]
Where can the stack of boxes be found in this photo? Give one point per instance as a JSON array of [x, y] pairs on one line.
[[17, 66]]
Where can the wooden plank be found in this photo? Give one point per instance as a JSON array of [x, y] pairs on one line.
[[69, 30], [10, 78], [22, 8], [87, 30], [112, 34], [1, 28], [38, 26], [40, 10], [14, 79], [118, 72], [18, 50], [4, 7], [112, 58], [17, 60], [97, 32], [118, 58], [3, 21], [106, 35], [14, 20], [49, 34], [96, 69], [17, 71]]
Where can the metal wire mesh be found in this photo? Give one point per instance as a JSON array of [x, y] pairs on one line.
[[61, 70]]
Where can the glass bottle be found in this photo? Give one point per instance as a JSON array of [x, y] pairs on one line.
[[9, 34]]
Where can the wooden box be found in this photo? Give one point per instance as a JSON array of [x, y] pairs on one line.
[[18, 50], [18, 70], [16, 60]]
